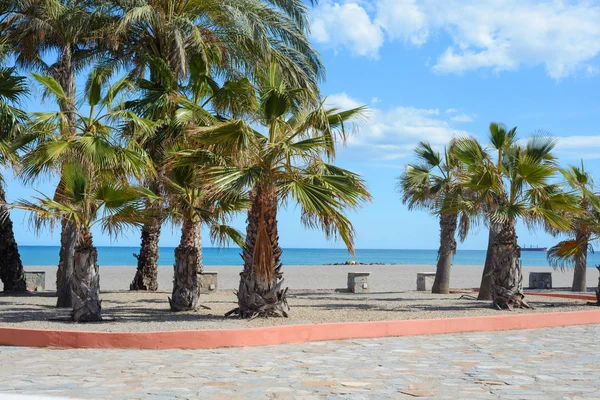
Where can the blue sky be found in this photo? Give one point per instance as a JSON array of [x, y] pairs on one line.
[[429, 70]]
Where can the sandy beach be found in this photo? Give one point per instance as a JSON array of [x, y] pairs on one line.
[[384, 278], [312, 297]]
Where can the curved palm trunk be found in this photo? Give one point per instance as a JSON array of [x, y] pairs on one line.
[[260, 292], [485, 288], [188, 265], [579, 275], [146, 275], [446, 252], [507, 277], [11, 267], [65, 75], [86, 281]]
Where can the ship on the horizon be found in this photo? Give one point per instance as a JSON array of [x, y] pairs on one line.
[[531, 248]]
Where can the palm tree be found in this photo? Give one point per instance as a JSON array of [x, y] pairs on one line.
[[12, 120], [88, 199], [501, 140], [92, 142], [516, 186], [425, 185], [194, 204], [585, 227], [175, 109], [288, 163], [72, 34], [188, 38]]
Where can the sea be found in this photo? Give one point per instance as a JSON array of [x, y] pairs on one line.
[[124, 256]]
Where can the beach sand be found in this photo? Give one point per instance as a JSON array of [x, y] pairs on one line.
[[312, 299], [384, 278]]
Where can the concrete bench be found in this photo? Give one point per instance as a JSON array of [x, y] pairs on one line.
[[425, 281], [358, 282], [35, 281], [540, 280], [207, 282]]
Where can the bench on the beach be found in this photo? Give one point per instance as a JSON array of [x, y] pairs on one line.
[[207, 282], [425, 281], [540, 280], [358, 282], [35, 281]]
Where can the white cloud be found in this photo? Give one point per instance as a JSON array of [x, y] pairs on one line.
[[346, 24], [561, 35], [392, 134], [463, 118], [578, 147], [403, 19]]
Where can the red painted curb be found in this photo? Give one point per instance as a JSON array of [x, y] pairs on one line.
[[571, 296], [209, 338]]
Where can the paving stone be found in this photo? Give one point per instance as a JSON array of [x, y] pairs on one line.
[[531, 364]]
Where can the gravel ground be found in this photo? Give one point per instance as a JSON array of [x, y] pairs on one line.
[[140, 311]]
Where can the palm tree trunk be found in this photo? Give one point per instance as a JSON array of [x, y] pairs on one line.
[[86, 281], [507, 277], [598, 288], [146, 275], [188, 265], [64, 274], [260, 292], [11, 267], [65, 75], [579, 275], [448, 221], [485, 288]]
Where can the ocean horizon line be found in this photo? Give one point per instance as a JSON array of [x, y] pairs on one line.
[[47, 255], [239, 248]]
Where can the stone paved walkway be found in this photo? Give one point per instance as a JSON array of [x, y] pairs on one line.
[[557, 363]]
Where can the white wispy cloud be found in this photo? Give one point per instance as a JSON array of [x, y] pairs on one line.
[[463, 118], [390, 134], [500, 35]]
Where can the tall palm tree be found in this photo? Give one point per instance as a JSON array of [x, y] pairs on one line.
[[93, 142], [425, 185], [228, 38], [88, 199], [585, 228], [288, 163], [501, 138], [12, 121], [72, 34], [517, 186]]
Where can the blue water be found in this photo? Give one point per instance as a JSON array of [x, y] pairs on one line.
[[110, 256]]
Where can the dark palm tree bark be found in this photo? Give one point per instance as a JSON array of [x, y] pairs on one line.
[[598, 289], [579, 275], [507, 277], [86, 281], [188, 265], [446, 252], [65, 74], [260, 292], [146, 275], [11, 267], [485, 288]]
